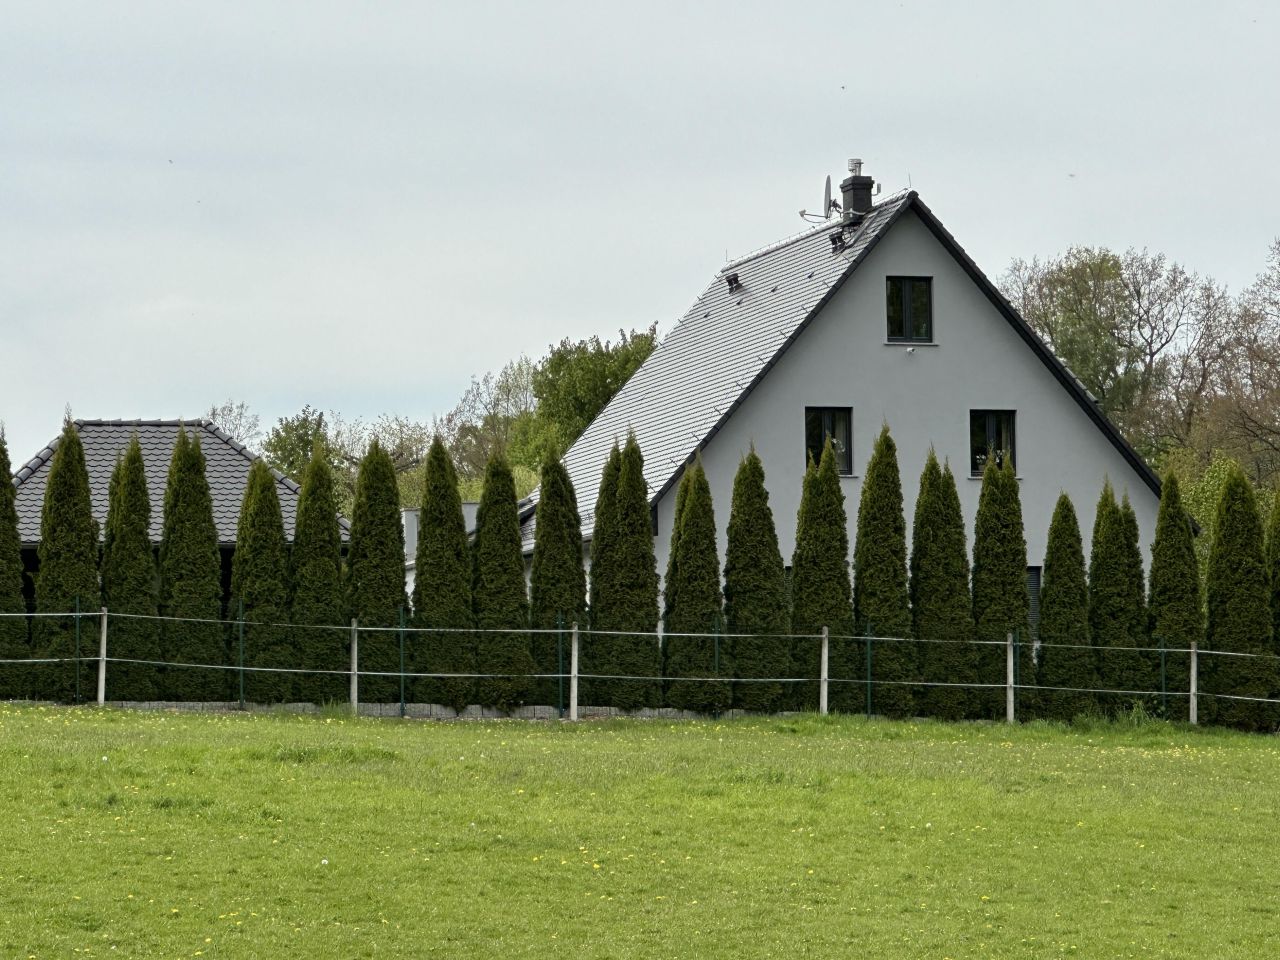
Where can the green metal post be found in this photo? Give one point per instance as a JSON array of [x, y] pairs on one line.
[[77, 648], [868, 644], [402, 710], [240, 631], [1164, 689]]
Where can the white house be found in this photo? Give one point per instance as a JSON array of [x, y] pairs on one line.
[[875, 316]]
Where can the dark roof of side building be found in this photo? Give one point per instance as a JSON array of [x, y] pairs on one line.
[[734, 334], [227, 463]]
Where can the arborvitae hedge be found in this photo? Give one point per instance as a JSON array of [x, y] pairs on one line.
[[498, 596], [68, 568], [191, 581], [130, 581], [1147, 676], [673, 555], [557, 583], [629, 594], [442, 588], [1112, 613], [941, 608], [881, 600], [755, 593], [18, 681], [1000, 603], [1066, 657], [375, 573], [596, 651], [315, 576], [1273, 563], [696, 606], [821, 595], [260, 590], [1239, 614], [1176, 608]]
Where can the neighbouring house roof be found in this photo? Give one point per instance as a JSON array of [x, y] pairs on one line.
[[226, 467], [730, 338]]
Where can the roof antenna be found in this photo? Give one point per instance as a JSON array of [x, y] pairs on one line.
[[827, 205]]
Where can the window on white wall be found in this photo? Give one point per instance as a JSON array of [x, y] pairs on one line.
[[909, 304], [991, 433], [833, 422]]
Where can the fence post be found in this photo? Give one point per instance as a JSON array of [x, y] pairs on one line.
[[102, 661], [77, 648], [573, 672], [1164, 685], [240, 671], [560, 666], [402, 661], [1008, 687], [355, 664], [1192, 711], [823, 660], [867, 643]]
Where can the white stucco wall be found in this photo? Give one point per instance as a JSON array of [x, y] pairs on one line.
[[977, 361]]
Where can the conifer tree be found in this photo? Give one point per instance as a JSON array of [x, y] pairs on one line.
[[1176, 608], [821, 594], [1000, 584], [1239, 614], [597, 651], [756, 608], [941, 608], [629, 593], [1112, 613], [259, 590], [130, 581], [498, 596], [315, 580], [557, 583], [1273, 564], [881, 600], [18, 680], [190, 581], [68, 576], [673, 555], [1146, 675], [695, 606], [1066, 657], [375, 568], [442, 588]]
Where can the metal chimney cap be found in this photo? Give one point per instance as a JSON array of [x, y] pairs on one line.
[[855, 166]]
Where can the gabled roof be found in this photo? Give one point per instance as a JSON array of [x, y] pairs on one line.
[[730, 339], [226, 467]]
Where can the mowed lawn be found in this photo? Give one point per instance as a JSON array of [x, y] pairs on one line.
[[163, 835]]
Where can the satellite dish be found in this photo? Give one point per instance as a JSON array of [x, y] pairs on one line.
[[826, 198]]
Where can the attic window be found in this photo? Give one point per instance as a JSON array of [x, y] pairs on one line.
[[734, 283]]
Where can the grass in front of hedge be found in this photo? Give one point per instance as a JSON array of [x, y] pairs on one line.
[[164, 835]]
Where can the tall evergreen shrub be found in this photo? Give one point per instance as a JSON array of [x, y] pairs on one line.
[[18, 680], [821, 594], [1273, 564], [557, 582], [1066, 656], [757, 614], [1239, 621], [315, 581], [941, 608], [692, 646], [1000, 604], [375, 574], [1176, 606], [260, 591], [68, 574], [498, 596], [629, 594], [130, 581], [1147, 674], [597, 649], [881, 600], [191, 582], [1112, 610], [442, 588]]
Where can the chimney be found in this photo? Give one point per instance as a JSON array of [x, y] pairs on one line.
[[857, 192]]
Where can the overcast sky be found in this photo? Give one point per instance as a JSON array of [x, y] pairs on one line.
[[358, 206]]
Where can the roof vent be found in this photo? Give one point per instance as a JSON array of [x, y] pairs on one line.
[[856, 190], [837, 241], [734, 283]]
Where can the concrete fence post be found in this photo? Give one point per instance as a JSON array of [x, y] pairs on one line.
[[1192, 705], [102, 661], [355, 667], [1008, 686], [823, 671], [573, 672]]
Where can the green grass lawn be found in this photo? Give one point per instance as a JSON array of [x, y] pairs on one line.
[[162, 835]]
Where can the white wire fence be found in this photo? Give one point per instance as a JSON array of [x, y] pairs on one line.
[[563, 670]]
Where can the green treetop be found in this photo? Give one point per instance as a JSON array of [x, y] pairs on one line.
[[1176, 606], [260, 590], [315, 578], [557, 583], [1066, 657]]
